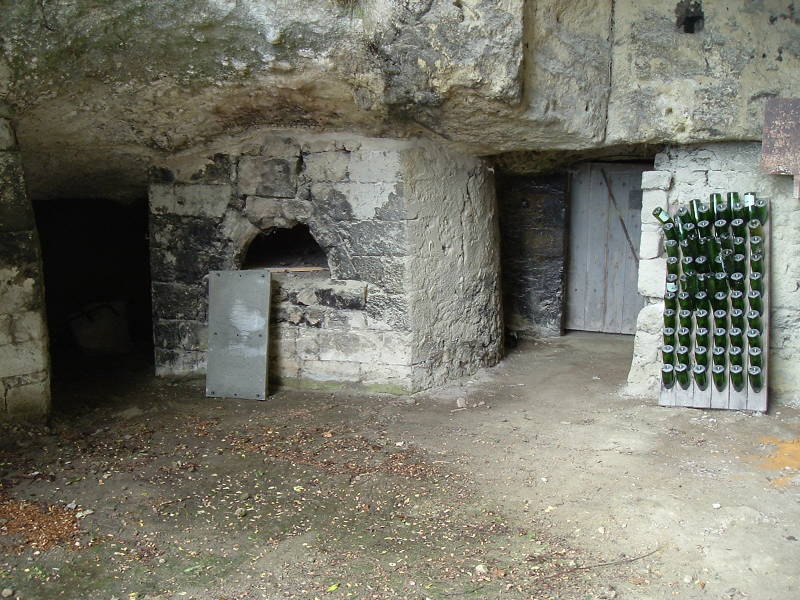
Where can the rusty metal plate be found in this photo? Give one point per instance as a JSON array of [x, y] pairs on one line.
[[780, 149], [238, 325]]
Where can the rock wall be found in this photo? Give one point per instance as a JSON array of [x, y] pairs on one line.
[[533, 225], [24, 356], [103, 89], [453, 273], [366, 203], [686, 172], [671, 85]]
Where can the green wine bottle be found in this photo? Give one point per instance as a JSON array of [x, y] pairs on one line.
[[757, 245], [757, 282], [735, 355], [682, 376], [755, 228], [662, 216], [720, 337], [701, 355], [671, 300], [757, 263], [667, 376], [721, 208], [682, 355], [720, 355], [668, 334], [736, 282], [684, 337], [701, 301], [672, 283], [701, 264], [673, 266], [685, 216], [710, 250], [700, 376], [672, 248], [685, 318], [670, 318], [704, 229], [740, 245], [754, 300], [668, 353], [756, 378], [701, 337], [701, 318], [738, 209], [749, 200], [754, 355], [736, 337], [737, 377], [736, 318], [685, 301], [720, 301], [720, 318], [737, 299], [670, 231], [718, 375], [753, 337], [759, 210], [721, 228], [694, 209], [754, 320], [739, 228]]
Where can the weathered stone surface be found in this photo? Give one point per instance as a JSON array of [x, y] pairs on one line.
[[327, 166], [190, 200], [656, 180], [650, 244], [15, 210], [276, 177], [180, 301], [652, 273], [385, 271], [29, 401], [7, 139], [375, 238], [187, 335]]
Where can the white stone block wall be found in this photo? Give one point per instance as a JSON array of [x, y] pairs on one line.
[[24, 353], [410, 233], [686, 172]]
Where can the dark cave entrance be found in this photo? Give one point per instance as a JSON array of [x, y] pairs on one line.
[[95, 255]]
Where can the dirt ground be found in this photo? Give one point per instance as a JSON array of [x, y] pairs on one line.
[[534, 479]]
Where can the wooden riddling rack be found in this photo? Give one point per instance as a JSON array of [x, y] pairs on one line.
[[748, 398]]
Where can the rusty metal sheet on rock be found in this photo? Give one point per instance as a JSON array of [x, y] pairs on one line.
[[780, 150], [238, 327]]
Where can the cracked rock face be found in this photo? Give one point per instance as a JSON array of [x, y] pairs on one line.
[[100, 90]]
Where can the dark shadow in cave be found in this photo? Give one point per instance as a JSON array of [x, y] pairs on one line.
[[285, 248], [95, 255]]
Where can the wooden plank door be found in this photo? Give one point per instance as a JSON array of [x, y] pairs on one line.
[[605, 228]]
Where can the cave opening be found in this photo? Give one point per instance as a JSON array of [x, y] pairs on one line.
[[283, 248], [95, 257]]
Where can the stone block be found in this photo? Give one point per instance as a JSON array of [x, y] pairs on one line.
[[656, 180], [343, 296], [6, 334], [651, 318], [7, 139], [278, 146], [395, 348], [391, 376], [28, 401], [268, 177], [194, 200], [263, 212], [652, 199], [385, 271], [307, 343], [15, 209], [220, 168], [652, 277], [358, 346], [331, 370], [179, 301], [387, 310], [376, 238], [371, 166], [184, 335], [179, 362], [650, 244], [28, 326], [21, 359], [326, 166]]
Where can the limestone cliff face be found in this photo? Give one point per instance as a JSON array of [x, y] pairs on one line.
[[99, 90]]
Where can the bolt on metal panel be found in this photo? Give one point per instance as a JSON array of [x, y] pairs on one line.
[[238, 329]]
